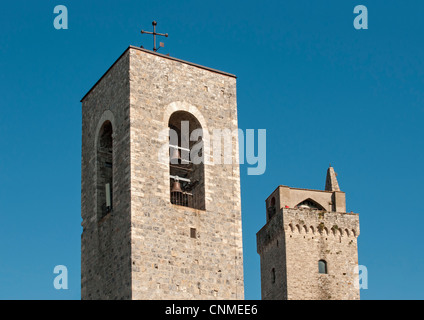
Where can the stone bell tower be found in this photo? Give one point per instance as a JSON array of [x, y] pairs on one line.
[[308, 247], [156, 223]]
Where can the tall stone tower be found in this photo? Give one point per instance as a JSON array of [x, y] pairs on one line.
[[156, 223], [308, 247]]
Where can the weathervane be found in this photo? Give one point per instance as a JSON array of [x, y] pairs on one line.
[[154, 33]]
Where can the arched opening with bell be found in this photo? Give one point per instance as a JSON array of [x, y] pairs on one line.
[[187, 173]]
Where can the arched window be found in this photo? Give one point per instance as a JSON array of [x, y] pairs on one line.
[[310, 204], [187, 173], [105, 170], [322, 267], [273, 275]]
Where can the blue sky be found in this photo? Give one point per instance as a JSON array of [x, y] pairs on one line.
[[325, 93]]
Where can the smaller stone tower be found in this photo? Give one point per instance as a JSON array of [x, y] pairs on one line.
[[308, 247]]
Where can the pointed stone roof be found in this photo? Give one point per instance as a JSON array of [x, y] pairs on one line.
[[331, 183]]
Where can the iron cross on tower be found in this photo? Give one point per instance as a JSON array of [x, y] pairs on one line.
[[154, 33]]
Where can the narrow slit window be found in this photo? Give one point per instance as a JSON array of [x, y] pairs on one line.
[[193, 233], [322, 267]]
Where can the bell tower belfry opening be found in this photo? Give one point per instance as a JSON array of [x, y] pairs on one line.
[[104, 170], [159, 227], [187, 176]]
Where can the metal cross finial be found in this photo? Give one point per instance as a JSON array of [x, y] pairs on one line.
[[154, 33]]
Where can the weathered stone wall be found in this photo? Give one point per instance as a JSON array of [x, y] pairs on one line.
[[166, 262], [271, 247], [105, 242], [306, 236]]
